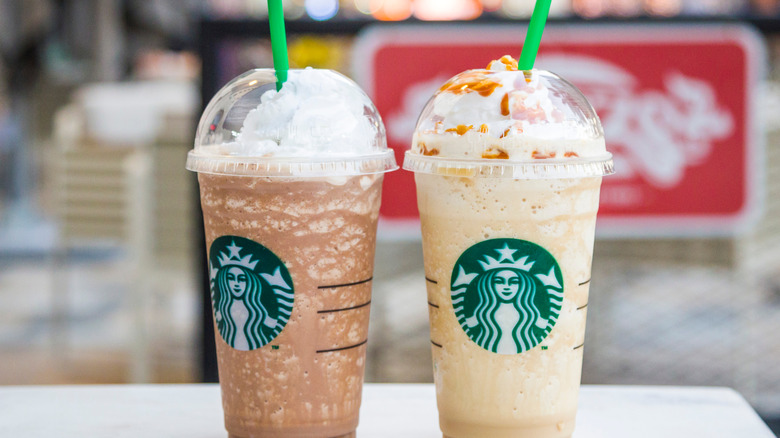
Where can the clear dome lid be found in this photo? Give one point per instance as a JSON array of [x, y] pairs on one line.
[[504, 122], [319, 124]]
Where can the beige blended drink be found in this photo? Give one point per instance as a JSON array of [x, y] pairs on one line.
[[508, 167], [290, 188]]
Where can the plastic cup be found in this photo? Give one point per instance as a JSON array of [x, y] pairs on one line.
[[290, 230], [508, 168]]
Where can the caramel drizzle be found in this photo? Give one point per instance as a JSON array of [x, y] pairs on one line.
[[506, 132], [461, 129], [570, 154], [505, 105], [509, 63], [429, 152], [495, 153], [541, 156], [471, 81], [483, 129]]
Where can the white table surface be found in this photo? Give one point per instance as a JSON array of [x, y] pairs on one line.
[[389, 410]]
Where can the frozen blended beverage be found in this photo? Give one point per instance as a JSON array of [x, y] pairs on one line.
[[290, 185], [508, 168]]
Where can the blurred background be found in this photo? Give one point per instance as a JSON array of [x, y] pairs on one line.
[[101, 249]]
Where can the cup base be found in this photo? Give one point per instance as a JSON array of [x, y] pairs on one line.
[[263, 435], [341, 429], [460, 429]]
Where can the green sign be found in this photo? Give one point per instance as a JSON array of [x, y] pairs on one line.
[[507, 294], [251, 292]]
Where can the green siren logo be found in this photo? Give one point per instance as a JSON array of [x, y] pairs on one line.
[[251, 292], [507, 294]]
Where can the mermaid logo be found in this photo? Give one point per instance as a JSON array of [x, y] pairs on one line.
[[507, 294], [251, 292]]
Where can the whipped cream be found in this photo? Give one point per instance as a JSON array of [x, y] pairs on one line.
[[503, 113], [317, 113]]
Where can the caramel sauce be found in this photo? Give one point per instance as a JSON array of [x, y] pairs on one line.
[[508, 130], [541, 156], [429, 152], [509, 62], [460, 129], [495, 153], [483, 128], [570, 154], [473, 81], [505, 105]]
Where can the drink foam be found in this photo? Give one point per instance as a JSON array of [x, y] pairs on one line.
[[502, 113], [317, 113]]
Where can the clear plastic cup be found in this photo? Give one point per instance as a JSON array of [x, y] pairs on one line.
[[290, 191], [508, 168]]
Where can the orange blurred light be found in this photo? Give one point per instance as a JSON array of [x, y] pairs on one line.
[[447, 9], [625, 8], [666, 8], [491, 5], [590, 8], [391, 10]]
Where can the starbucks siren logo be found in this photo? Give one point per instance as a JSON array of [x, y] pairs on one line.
[[507, 294], [251, 292]]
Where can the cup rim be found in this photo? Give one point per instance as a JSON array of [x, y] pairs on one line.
[[549, 168], [380, 162]]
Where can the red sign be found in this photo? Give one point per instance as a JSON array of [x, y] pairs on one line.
[[675, 103]]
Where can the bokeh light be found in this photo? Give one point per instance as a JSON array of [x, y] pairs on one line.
[[257, 8], [293, 9], [367, 7], [517, 8], [664, 8], [391, 10], [766, 7], [491, 5], [226, 8], [563, 8], [317, 52], [447, 9], [321, 10], [625, 8], [590, 8], [453, 10]]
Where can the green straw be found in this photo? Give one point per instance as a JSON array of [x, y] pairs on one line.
[[278, 41], [534, 35]]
